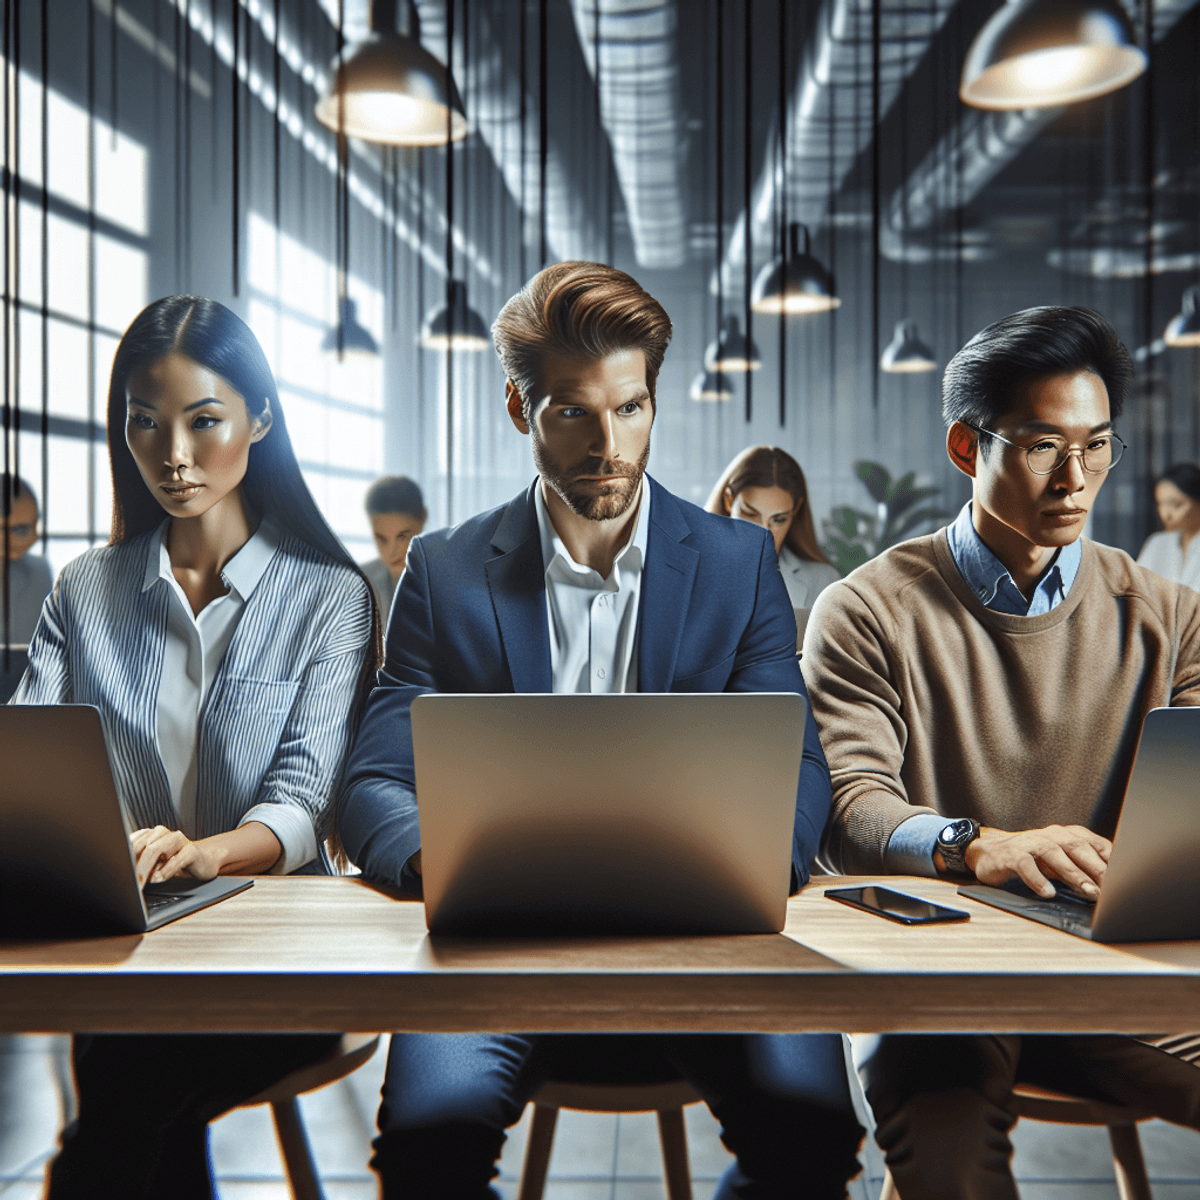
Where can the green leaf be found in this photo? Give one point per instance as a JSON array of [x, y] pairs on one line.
[[903, 501], [876, 478], [922, 515]]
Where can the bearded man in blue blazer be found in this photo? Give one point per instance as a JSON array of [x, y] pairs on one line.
[[594, 579]]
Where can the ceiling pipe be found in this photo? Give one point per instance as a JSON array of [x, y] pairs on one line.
[[973, 153], [635, 61], [827, 129], [492, 89]]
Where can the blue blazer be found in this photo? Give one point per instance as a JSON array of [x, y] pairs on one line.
[[469, 615], [274, 729]]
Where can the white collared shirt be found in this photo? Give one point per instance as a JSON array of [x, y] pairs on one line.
[[195, 647], [593, 621]]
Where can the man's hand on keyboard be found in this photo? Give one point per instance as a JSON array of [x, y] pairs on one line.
[[1071, 853]]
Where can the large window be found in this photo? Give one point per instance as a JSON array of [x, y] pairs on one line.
[[78, 267], [334, 410]]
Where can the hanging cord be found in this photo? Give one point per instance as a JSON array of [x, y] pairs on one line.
[[420, 289], [45, 310], [235, 183], [523, 34], [719, 91], [277, 81], [1149, 134], [341, 216], [11, 83], [747, 163], [783, 204], [450, 277], [876, 196], [177, 148], [543, 124], [91, 269]]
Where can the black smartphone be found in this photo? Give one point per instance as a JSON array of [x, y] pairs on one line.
[[896, 906]]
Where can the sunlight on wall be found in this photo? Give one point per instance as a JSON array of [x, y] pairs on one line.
[[334, 411]]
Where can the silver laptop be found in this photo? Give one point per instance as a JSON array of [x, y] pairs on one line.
[[1151, 891], [607, 814], [66, 865]]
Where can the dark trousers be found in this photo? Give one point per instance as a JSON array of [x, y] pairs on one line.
[[783, 1103], [944, 1105], [145, 1101]]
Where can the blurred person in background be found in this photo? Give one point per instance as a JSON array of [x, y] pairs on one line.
[[765, 484], [29, 575], [396, 510], [1175, 553]]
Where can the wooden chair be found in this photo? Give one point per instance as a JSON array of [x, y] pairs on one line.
[[1036, 1104], [283, 1097], [665, 1099]]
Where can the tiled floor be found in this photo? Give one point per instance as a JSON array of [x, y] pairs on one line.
[[595, 1157]]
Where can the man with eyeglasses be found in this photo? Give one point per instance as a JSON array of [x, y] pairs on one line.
[[979, 694], [28, 576]]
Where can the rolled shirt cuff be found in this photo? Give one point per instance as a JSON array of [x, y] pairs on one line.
[[294, 829], [911, 846]]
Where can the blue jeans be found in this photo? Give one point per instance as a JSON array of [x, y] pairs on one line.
[[783, 1102]]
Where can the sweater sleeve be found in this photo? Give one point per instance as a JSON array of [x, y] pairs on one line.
[[1185, 687], [848, 671]]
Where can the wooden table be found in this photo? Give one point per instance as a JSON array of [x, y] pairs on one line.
[[336, 954]]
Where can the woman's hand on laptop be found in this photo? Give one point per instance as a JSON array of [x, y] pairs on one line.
[[163, 853], [1071, 853]]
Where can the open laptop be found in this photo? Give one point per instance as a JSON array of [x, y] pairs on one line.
[[66, 865], [1151, 890], [607, 814]]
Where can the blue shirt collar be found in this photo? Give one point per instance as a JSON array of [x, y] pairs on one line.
[[991, 583]]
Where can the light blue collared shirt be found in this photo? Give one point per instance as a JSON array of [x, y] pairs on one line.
[[911, 846]]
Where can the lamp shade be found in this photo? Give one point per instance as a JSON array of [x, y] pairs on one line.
[[456, 325], [389, 88], [1045, 53], [906, 354], [732, 351], [356, 340], [795, 282], [1184, 328], [711, 385]]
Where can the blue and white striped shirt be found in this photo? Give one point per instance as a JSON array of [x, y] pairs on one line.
[[275, 725]]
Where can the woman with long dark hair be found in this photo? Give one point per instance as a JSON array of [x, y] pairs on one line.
[[227, 639], [1175, 552], [765, 484]]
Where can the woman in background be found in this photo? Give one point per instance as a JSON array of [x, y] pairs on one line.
[[764, 484], [227, 639], [1175, 553]]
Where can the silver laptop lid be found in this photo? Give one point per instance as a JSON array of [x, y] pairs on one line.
[[628, 813], [1151, 890], [65, 858]]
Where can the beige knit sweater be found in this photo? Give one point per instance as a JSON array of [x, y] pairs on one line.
[[928, 701]]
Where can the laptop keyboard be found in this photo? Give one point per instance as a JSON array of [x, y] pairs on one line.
[[1068, 910], [157, 901]]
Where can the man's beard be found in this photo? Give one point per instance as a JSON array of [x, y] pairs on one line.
[[612, 501]]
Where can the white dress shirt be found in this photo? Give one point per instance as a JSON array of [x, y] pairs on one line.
[[593, 621], [1163, 554], [194, 649]]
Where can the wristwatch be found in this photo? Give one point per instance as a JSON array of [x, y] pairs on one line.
[[953, 840]]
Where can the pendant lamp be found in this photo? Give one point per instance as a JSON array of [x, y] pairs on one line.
[[1184, 328], [356, 340], [456, 325], [796, 282], [712, 385], [906, 354], [1045, 53], [388, 88], [732, 351]]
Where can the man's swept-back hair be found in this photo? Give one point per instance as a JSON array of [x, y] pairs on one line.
[[578, 310], [981, 380]]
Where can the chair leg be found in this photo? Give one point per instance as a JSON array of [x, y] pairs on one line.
[[297, 1154], [1128, 1163], [888, 1191], [677, 1174], [537, 1152]]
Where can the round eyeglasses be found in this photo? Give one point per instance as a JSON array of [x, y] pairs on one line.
[[1049, 452]]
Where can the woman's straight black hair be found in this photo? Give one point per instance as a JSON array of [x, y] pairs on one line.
[[981, 380], [1185, 476]]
